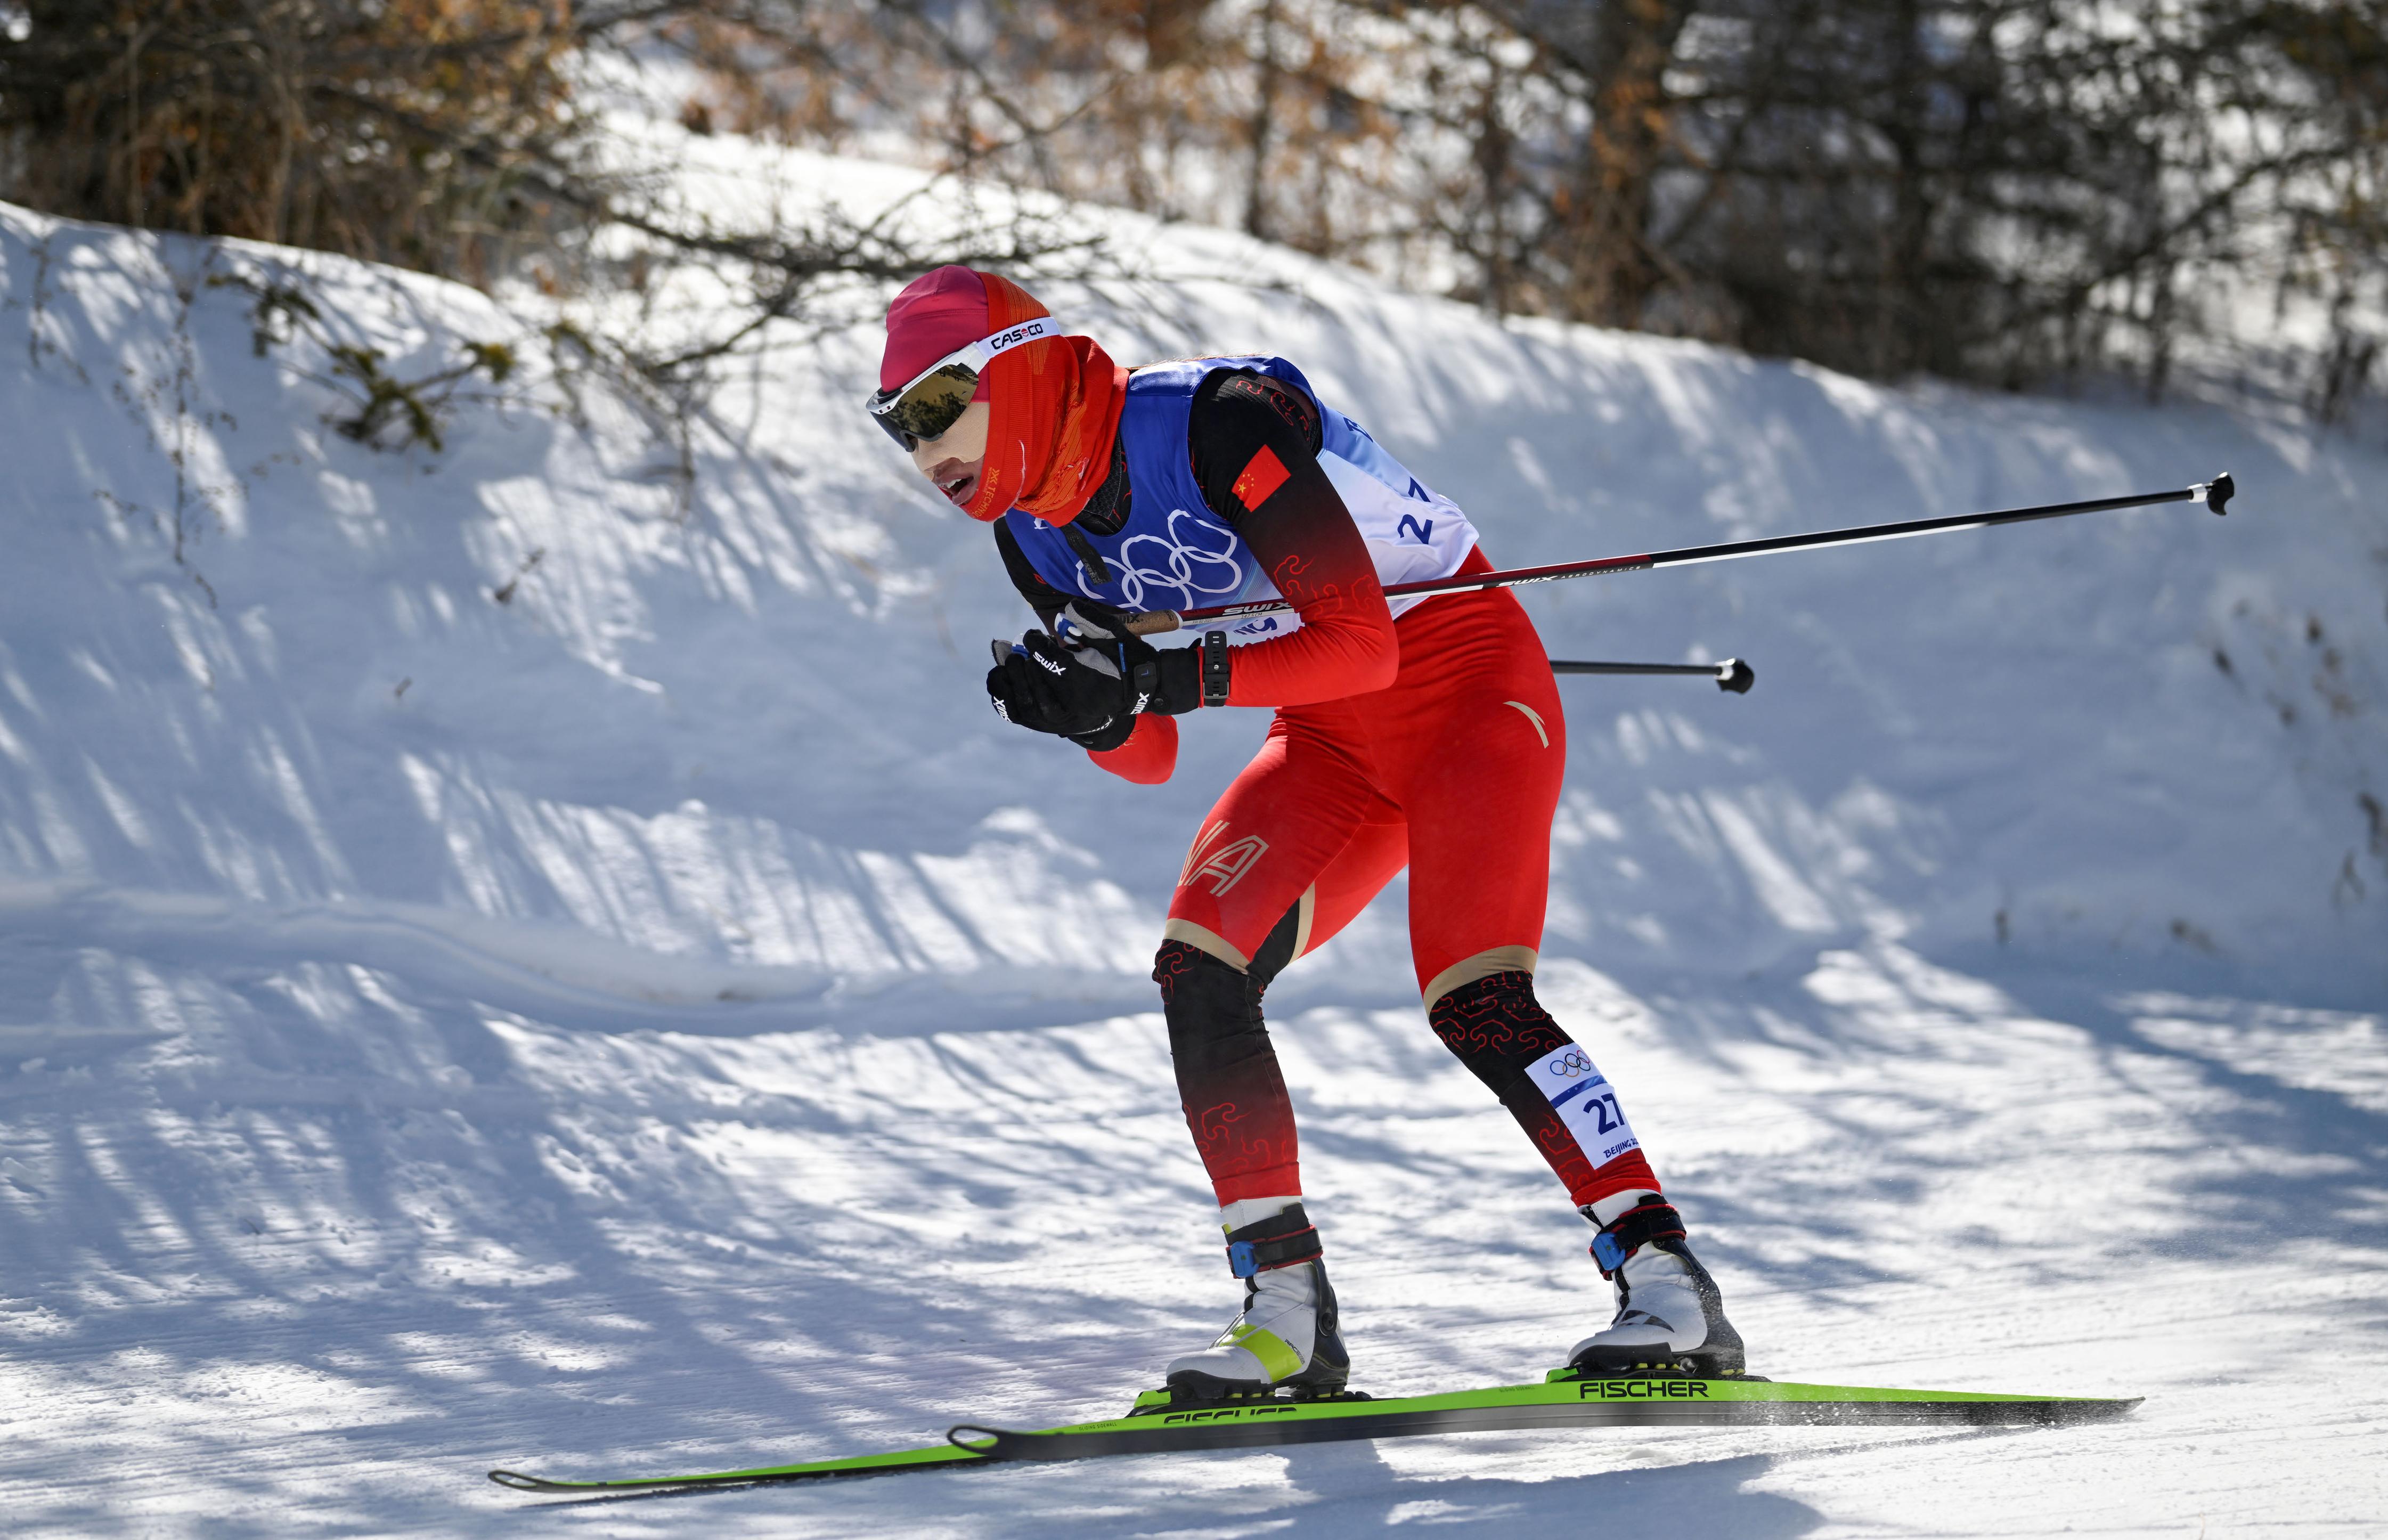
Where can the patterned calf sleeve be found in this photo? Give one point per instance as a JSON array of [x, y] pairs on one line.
[[1547, 1080], [1227, 1076]]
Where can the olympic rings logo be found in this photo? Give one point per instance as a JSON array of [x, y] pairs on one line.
[[1183, 564], [1570, 1064]]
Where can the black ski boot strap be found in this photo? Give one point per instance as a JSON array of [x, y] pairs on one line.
[[1630, 1231], [1280, 1240]]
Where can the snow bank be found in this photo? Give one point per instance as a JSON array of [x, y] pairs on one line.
[[249, 659]]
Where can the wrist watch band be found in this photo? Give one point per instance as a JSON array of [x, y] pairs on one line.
[[1214, 667]]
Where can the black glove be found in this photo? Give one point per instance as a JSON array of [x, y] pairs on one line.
[[1090, 693]]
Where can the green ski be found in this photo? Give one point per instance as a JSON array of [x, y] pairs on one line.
[[1565, 1400]]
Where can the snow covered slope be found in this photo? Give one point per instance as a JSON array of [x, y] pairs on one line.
[[498, 968]]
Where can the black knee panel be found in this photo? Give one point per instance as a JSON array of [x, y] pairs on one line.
[[1214, 1010], [1276, 947], [1497, 1028]]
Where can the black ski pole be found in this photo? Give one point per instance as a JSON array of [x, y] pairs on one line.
[[1732, 674], [2215, 494]]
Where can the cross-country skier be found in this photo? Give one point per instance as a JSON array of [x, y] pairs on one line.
[[1425, 733]]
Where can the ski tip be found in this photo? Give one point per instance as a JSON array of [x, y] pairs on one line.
[[972, 1439], [520, 1483]]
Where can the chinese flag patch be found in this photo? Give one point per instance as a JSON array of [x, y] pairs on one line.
[[1262, 475]]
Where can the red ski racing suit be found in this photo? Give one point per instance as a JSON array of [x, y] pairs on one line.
[[1433, 741]]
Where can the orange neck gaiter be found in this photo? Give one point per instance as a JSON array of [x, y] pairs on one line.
[[1055, 409]]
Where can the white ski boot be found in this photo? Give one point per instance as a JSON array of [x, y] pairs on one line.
[[1287, 1336], [1669, 1313]]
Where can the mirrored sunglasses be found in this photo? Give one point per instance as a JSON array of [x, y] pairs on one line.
[[935, 400]]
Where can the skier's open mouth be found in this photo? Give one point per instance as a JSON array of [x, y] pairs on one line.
[[958, 488]]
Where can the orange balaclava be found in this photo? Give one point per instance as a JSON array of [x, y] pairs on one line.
[[1056, 402]]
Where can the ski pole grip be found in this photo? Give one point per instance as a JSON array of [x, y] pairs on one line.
[[1152, 622]]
